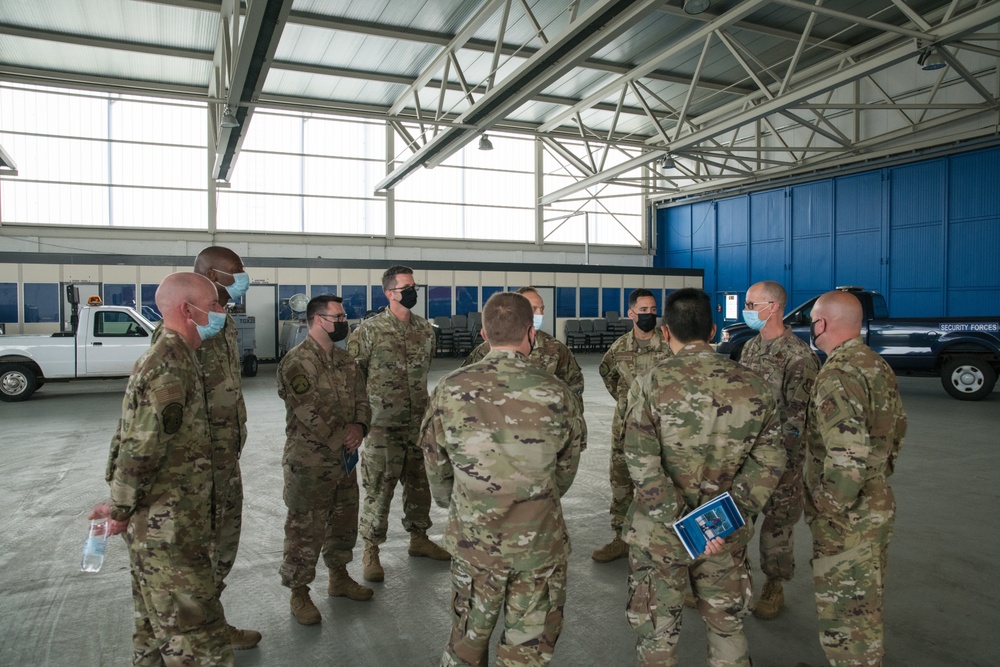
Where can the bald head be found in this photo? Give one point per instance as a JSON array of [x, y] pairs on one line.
[[837, 318], [768, 290], [185, 299]]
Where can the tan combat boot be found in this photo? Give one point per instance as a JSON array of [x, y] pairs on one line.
[[613, 550], [243, 639], [772, 599], [372, 567], [342, 586], [303, 609], [421, 546]]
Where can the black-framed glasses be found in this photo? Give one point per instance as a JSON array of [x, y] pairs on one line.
[[416, 288], [332, 318], [751, 305]]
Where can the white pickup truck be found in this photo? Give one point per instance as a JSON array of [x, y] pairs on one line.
[[107, 342]]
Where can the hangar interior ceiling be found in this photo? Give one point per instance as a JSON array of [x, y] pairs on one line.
[[633, 92]]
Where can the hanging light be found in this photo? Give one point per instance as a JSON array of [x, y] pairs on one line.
[[696, 6], [930, 59], [485, 144], [229, 118], [666, 162]]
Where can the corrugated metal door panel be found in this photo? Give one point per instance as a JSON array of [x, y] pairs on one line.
[[767, 215], [967, 302], [732, 271], [732, 231], [733, 219], [703, 226], [858, 230], [678, 229], [705, 259], [973, 268], [916, 239], [812, 246], [767, 261], [974, 191]]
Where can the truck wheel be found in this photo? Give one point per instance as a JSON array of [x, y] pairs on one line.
[[968, 378], [250, 366], [17, 382]]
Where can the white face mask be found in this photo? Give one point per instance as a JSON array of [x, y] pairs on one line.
[[538, 321]]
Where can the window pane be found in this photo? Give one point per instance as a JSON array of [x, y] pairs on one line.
[[588, 302], [565, 302], [355, 301], [147, 294], [488, 292], [316, 290], [41, 302], [285, 292], [466, 300], [611, 298], [119, 294], [439, 301], [378, 298], [8, 302]]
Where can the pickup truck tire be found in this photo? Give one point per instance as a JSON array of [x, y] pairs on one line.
[[17, 382], [968, 378], [250, 366]]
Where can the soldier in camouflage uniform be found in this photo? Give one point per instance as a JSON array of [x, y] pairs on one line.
[[326, 418], [160, 469], [394, 350], [628, 357], [789, 365], [502, 442], [696, 425], [549, 352], [855, 427]]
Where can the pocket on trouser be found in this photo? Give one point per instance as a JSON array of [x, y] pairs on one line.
[[641, 608], [849, 603]]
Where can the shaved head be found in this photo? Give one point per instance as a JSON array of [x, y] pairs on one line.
[[841, 316], [185, 299], [182, 287], [768, 290]]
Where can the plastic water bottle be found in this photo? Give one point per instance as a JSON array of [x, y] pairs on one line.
[[93, 549]]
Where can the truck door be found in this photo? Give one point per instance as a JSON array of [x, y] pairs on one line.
[[111, 344]]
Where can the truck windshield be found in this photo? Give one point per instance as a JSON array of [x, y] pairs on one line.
[[879, 310]]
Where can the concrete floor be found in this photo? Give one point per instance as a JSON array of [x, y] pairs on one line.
[[942, 606]]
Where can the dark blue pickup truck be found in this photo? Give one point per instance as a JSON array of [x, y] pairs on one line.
[[964, 351]]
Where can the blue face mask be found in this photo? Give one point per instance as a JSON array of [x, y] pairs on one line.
[[753, 320], [538, 321], [216, 322], [241, 283]]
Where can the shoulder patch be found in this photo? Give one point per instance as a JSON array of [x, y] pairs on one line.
[[354, 348], [173, 417], [169, 394], [300, 384]]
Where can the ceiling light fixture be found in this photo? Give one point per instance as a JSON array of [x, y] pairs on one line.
[[930, 59], [666, 162], [485, 144], [696, 6], [229, 118]]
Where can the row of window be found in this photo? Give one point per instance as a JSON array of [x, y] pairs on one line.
[[42, 300]]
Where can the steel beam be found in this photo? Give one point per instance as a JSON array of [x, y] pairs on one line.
[[262, 27], [593, 29]]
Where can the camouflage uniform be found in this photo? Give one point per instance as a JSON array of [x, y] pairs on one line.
[[696, 425], [625, 360], [502, 442], [160, 469], [219, 357], [856, 425], [324, 393], [789, 365], [394, 357], [549, 354]]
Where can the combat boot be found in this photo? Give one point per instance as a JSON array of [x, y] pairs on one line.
[[772, 599], [372, 567], [342, 586], [303, 609], [421, 546], [613, 550], [243, 639]]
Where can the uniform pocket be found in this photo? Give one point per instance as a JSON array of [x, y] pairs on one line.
[[641, 607]]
